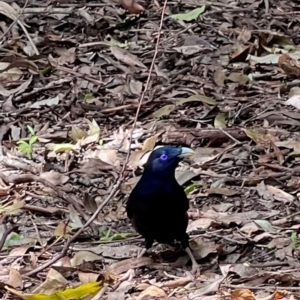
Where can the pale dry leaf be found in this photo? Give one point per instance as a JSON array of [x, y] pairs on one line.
[[202, 223], [280, 195], [87, 277], [21, 88], [12, 74], [126, 57], [138, 158], [152, 292], [109, 156], [219, 77], [294, 101], [183, 176], [12, 209], [68, 57], [54, 177], [15, 278], [84, 256], [250, 228], [150, 142], [135, 87], [47, 102], [221, 191], [11, 13], [160, 73], [75, 221], [209, 288], [54, 281]]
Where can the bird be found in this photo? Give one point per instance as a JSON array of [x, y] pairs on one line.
[[157, 206]]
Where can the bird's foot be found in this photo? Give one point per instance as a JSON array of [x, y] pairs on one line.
[[142, 253], [195, 267], [195, 270]]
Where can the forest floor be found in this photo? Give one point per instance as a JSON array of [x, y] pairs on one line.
[[89, 88]]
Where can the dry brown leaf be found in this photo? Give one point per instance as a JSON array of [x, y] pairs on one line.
[[150, 142], [240, 54], [291, 67], [131, 5], [242, 294], [153, 292]]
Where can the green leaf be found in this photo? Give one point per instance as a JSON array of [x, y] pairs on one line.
[[220, 121], [164, 111], [88, 97], [24, 148], [61, 147], [32, 140], [190, 16], [293, 240], [200, 98], [113, 42], [30, 129], [21, 142], [265, 225], [192, 187], [121, 236]]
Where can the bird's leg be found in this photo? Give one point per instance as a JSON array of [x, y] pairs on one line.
[[142, 253], [195, 266], [149, 243]]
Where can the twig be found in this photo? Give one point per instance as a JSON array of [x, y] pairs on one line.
[[251, 287], [15, 21], [5, 234], [121, 176]]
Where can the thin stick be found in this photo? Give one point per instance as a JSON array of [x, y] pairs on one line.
[[121, 176]]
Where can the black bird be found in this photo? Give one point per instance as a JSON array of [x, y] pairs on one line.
[[157, 206]]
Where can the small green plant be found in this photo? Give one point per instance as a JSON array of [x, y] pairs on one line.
[[25, 147], [293, 240], [108, 237]]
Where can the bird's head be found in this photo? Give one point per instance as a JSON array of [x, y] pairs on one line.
[[164, 160]]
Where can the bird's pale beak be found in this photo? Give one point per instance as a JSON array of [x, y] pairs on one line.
[[186, 152]]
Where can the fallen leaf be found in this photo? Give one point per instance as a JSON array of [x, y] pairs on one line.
[[220, 121], [191, 15], [54, 177], [152, 292], [126, 57], [242, 294], [294, 101], [291, 67], [131, 5], [200, 98], [164, 111], [265, 225]]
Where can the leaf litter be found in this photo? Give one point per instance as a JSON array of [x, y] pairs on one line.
[[225, 82]]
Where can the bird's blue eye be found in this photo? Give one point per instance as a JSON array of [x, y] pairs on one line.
[[164, 157]]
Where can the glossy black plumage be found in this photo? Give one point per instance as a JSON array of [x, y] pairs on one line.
[[157, 206]]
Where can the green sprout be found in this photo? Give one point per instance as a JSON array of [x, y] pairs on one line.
[[26, 147]]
